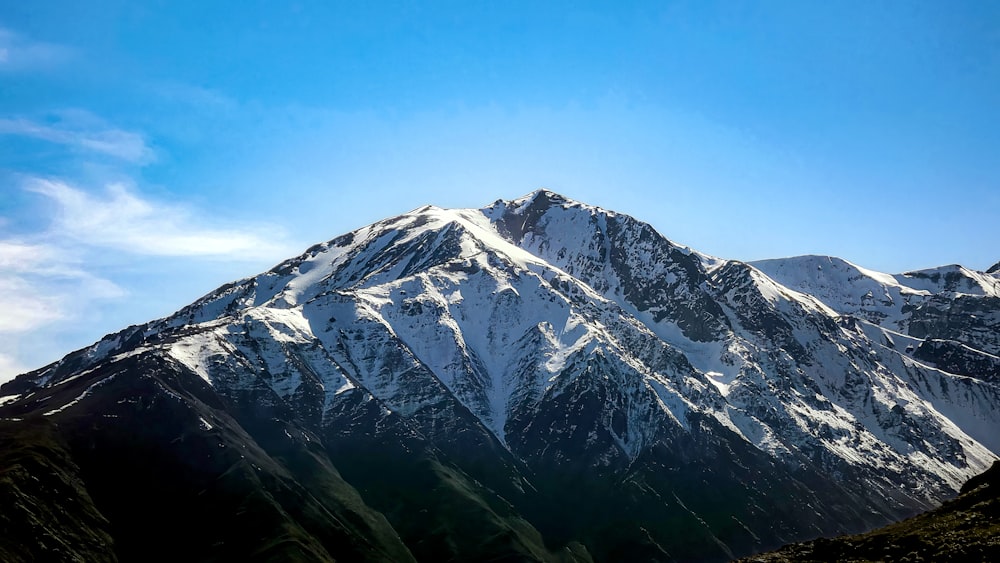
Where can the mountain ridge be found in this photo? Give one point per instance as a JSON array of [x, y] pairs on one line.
[[512, 354]]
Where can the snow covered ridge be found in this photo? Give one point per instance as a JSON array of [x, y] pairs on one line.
[[483, 278], [525, 307]]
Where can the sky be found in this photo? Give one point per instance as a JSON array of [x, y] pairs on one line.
[[152, 151]]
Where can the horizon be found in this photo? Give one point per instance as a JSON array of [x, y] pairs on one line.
[[153, 153]]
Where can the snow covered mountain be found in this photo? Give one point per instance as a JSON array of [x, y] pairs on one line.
[[536, 380]]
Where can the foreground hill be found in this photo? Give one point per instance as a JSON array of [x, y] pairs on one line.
[[537, 380], [964, 529]]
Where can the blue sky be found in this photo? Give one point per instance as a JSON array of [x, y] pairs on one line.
[[151, 151]]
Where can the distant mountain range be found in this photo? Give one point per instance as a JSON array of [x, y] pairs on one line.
[[537, 380]]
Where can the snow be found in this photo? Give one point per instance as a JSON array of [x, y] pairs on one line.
[[195, 353], [81, 396], [438, 301], [779, 295], [721, 381]]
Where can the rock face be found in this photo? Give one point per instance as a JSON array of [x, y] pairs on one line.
[[535, 380]]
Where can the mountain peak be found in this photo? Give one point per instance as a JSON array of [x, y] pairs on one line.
[[508, 357], [542, 200], [544, 195]]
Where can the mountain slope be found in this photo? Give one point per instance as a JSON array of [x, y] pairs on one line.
[[963, 529], [443, 384]]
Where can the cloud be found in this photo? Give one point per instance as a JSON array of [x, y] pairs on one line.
[[122, 220], [38, 283], [197, 98], [19, 53], [41, 299], [82, 131], [52, 280], [10, 367], [21, 257], [41, 285], [25, 306]]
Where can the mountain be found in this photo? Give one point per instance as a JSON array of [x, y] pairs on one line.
[[536, 380], [963, 529]]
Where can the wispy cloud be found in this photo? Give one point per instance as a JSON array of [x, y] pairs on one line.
[[52, 277], [121, 219], [85, 132], [196, 98], [20, 53], [42, 284], [10, 367], [25, 306], [38, 283]]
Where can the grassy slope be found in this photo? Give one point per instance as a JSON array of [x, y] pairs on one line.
[[964, 529], [42, 497]]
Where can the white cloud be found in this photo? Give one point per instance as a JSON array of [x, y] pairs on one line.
[[120, 219], [83, 132], [40, 282], [197, 98], [10, 367], [42, 285], [52, 281], [25, 306], [21, 257], [19, 53]]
